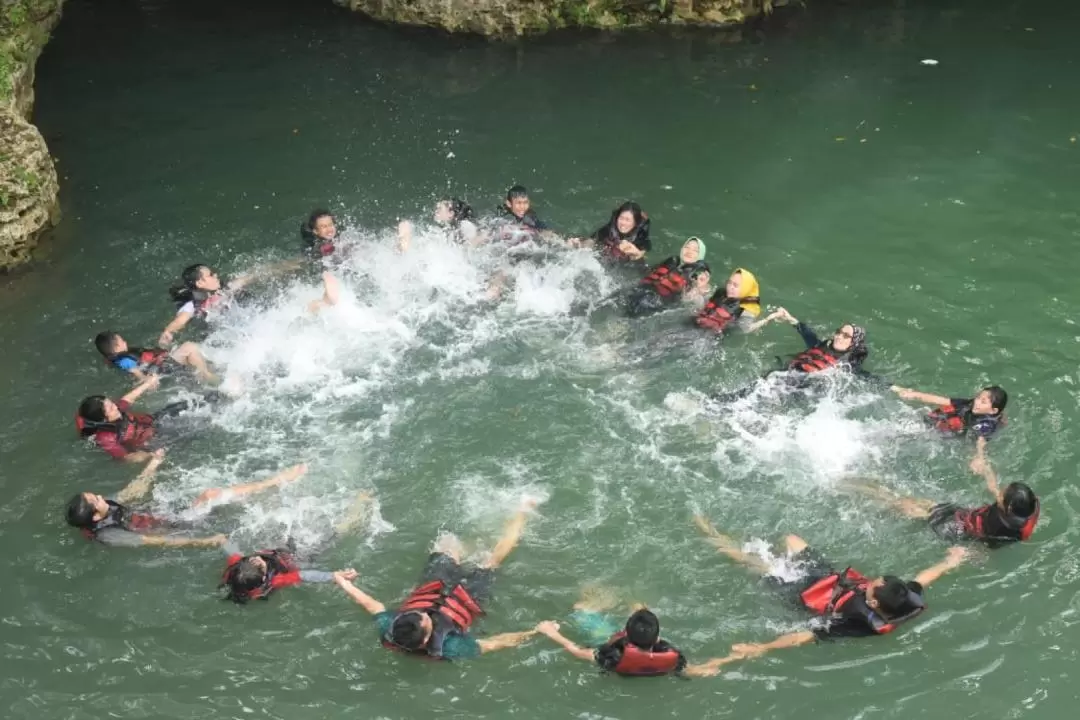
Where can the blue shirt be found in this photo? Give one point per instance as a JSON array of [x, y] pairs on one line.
[[127, 364], [456, 646]]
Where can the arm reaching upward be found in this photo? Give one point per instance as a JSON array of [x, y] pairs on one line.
[[952, 560], [141, 484]]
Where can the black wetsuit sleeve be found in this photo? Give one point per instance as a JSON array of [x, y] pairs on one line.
[[608, 656], [118, 537], [808, 335]]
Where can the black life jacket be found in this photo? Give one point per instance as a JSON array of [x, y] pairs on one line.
[[846, 591], [721, 311], [281, 571], [638, 662], [977, 524], [144, 358], [958, 421], [610, 238], [120, 516], [451, 609]]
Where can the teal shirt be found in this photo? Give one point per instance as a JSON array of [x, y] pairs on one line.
[[456, 646]]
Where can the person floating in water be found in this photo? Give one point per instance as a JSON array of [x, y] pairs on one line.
[[845, 602], [435, 619], [143, 362], [319, 234], [114, 522], [115, 429], [635, 651], [258, 575], [667, 284], [1011, 518], [200, 290], [625, 237], [735, 306], [454, 216], [980, 416], [518, 223]]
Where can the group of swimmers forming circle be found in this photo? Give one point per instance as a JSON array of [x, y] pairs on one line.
[[436, 618]]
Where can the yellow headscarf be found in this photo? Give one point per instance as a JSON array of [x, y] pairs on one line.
[[749, 289]]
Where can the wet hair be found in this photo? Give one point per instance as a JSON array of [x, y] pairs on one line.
[[643, 629], [459, 209], [518, 191], [185, 290], [93, 408], [408, 631], [105, 342], [1019, 500], [698, 268], [892, 597], [998, 397], [80, 512], [307, 228], [243, 578]]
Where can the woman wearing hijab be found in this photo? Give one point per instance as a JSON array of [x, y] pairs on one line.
[[734, 306], [625, 238], [685, 276]]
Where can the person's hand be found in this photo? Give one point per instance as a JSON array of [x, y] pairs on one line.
[[978, 465], [152, 383], [158, 457], [346, 575], [956, 555], [574, 242], [747, 650], [165, 339], [787, 317], [548, 628], [206, 496]]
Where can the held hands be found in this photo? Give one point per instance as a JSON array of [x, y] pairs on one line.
[[748, 650], [783, 314], [152, 383], [956, 555], [165, 339], [345, 576], [549, 628]]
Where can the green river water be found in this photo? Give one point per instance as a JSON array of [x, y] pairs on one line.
[[934, 204]]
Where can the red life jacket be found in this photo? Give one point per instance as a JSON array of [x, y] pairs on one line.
[[204, 301], [848, 589], [451, 609], [975, 523], [957, 421], [813, 360], [667, 280], [638, 662], [132, 430], [721, 311], [281, 571], [120, 516], [154, 357]]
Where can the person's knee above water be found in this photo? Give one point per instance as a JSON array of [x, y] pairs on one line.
[[435, 619], [625, 237], [319, 233], [142, 362], [846, 349], [734, 306], [980, 416], [114, 428], [669, 282]]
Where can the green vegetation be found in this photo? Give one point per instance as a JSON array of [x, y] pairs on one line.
[[23, 31]]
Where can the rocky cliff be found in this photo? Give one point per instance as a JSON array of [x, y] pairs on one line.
[[29, 202], [518, 17]]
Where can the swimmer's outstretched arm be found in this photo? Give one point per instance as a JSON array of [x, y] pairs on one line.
[[141, 484], [177, 324], [151, 383], [758, 324], [239, 491], [790, 640], [909, 394], [805, 331], [953, 558], [709, 668], [369, 603], [168, 541], [504, 641], [550, 629]]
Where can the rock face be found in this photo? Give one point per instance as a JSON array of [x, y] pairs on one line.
[[517, 17], [29, 191]]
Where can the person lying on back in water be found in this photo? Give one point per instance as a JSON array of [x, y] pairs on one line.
[[114, 522], [1011, 518], [845, 602], [143, 362], [980, 416], [435, 619], [635, 651], [669, 283], [258, 575]]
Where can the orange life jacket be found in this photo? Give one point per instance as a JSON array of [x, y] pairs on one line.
[[848, 590], [132, 430], [813, 360], [974, 523], [721, 311], [667, 280], [281, 571], [957, 421], [638, 662], [451, 608]]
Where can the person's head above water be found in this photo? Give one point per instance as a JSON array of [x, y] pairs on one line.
[[320, 225], [411, 630], [451, 211], [849, 338], [643, 629], [109, 343], [742, 284], [626, 218], [98, 409], [246, 576], [700, 277], [1018, 501], [517, 201], [85, 509], [889, 595], [693, 250], [990, 401]]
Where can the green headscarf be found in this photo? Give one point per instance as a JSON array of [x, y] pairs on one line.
[[700, 245]]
